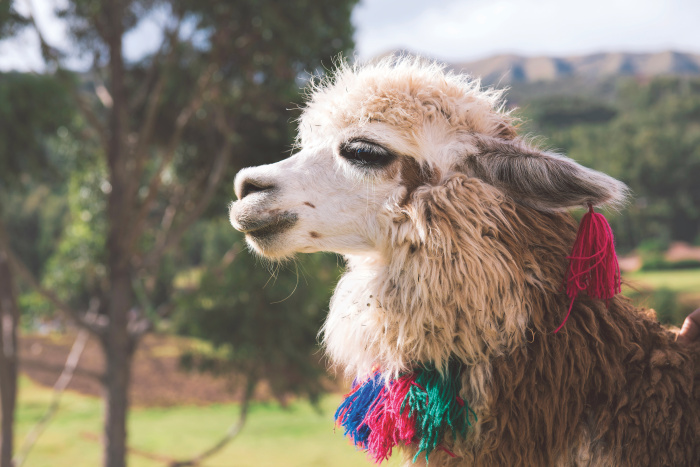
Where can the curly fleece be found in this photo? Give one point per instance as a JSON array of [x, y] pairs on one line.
[[475, 273]]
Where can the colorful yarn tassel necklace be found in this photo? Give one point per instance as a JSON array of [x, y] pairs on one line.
[[418, 408]]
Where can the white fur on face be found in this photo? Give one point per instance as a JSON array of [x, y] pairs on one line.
[[317, 201], [320, 203]]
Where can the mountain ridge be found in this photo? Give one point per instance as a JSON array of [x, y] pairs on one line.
[[513, 68]]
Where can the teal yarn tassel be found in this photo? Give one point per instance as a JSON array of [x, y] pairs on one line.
[[421, 408], [434, 399]]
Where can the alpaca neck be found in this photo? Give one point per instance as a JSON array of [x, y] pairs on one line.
[[463, 277], [419, 307]]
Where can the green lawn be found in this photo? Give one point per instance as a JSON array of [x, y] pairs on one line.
[[681, 281], [672, 293], [273, 437]]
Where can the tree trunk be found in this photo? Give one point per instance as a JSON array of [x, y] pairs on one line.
[[117, 344], [9, 317], [118, 350]]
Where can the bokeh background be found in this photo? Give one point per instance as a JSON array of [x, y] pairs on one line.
[[136, 328]]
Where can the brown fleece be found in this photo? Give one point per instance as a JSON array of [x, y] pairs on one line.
[[612, 388], [413, 176], [472, 269]]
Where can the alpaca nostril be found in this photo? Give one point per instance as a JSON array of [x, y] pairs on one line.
[[254, 186]]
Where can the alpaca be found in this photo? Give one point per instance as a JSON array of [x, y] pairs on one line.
[[456, 233]]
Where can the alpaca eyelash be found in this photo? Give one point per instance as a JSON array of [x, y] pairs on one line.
[[365, 154]]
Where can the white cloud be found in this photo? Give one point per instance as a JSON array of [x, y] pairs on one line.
[[454, 29], [22, 53], [460, 30]]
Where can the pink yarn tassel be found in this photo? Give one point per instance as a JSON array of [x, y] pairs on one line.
[[593, 265], [390, 424]]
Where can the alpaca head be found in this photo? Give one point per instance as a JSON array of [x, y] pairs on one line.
[[373, 140]]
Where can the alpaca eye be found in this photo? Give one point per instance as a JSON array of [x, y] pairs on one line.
[[365, 154]]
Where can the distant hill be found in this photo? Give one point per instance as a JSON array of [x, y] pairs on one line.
[[512, 69]]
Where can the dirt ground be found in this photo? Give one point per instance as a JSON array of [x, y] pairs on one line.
[[157, 379]]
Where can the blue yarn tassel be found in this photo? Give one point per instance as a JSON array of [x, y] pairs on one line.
[[352, 411]]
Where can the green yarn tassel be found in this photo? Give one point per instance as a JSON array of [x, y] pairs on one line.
[[434, 400]]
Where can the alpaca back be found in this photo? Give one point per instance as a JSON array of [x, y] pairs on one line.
[[612, 389]]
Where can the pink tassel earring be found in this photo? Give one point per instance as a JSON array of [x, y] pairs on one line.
[[593, 265]]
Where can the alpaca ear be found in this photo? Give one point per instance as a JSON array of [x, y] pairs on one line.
[[543, 180]]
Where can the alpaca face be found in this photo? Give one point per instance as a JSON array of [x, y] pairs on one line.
[[330, 196], [375, 139]]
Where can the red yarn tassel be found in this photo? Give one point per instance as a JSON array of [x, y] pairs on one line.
[[390, 420], [593, 265]]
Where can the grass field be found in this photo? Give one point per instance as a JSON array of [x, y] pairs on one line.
[[681, 281], [274, 437], [672, 293], [295, 437]]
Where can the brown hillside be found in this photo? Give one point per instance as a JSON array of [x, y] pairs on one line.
[[157, 379], [505, 69]]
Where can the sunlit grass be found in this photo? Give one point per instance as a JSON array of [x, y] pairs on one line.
[[672, 293], [294, 437], [298, 436], [682, 280]]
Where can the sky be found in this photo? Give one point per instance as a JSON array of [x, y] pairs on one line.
[[457, 30], [462, 30]]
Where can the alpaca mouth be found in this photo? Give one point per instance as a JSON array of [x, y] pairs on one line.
[[264, 228]]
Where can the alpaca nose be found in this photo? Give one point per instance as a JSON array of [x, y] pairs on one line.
[[246, 185], [254, 186]]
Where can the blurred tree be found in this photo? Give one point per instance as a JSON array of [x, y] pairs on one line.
[[262, 324], [30, 108], [159, 137], [265, 330], [9, 317], [647, 135]]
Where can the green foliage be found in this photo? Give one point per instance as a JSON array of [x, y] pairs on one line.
[[263, 51], [262, 320], [32, 108], [672, 293], [665, 302], [262, 324], [649, 137], [10, 21], [658, 263], [35, 309], [76, 270], [567, 111], [34, 218]]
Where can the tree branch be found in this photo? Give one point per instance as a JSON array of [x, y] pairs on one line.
[[96, 326], [58, 388], [90, 116], [180, 123], [230, 435], [51, 54], [154, 100], [169, 38], [170, 239]]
